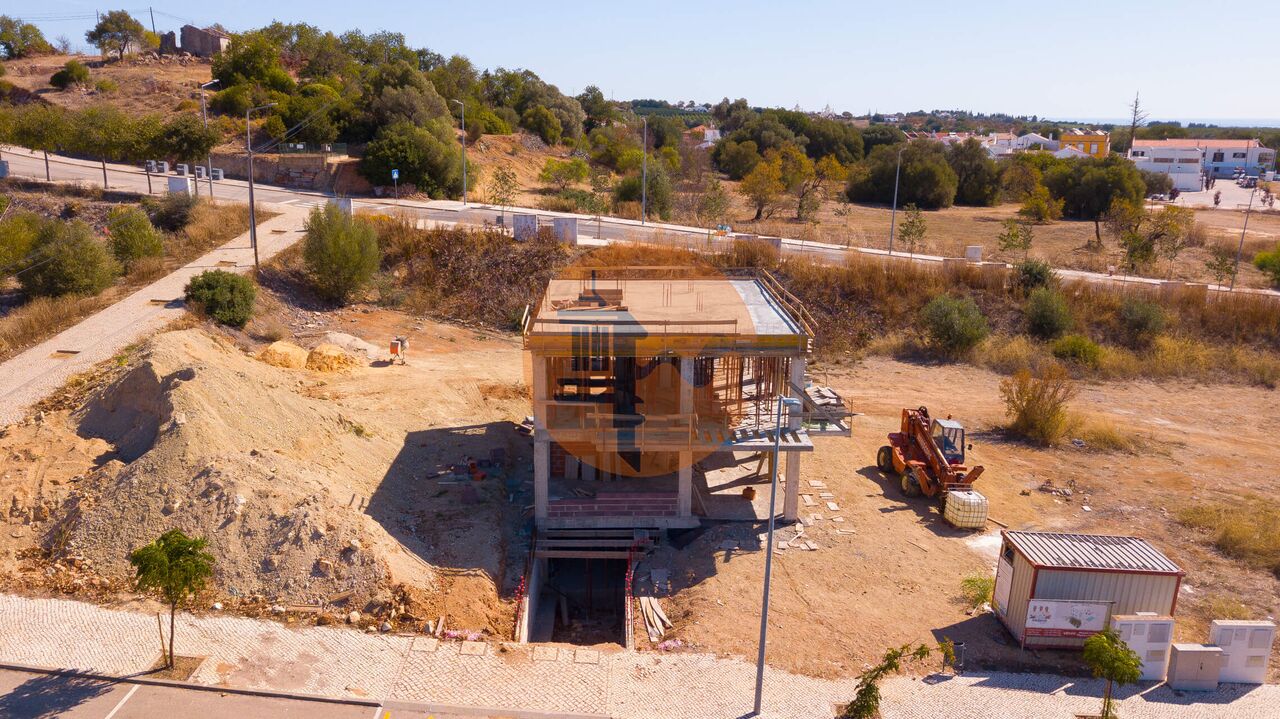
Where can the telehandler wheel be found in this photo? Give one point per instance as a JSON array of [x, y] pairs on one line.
[[910, 484], [884, 459]]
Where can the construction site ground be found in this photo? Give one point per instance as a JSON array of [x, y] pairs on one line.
[[316, 459]]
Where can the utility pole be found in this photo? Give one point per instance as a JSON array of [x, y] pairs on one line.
[[644, 174], [791, 403], [204, 115], [153, 20], [1243, 230], [893, 218], [463, 105], [248, 143]]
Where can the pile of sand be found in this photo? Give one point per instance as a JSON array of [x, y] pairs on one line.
[[284, 354], [329, 358], [224, 447]]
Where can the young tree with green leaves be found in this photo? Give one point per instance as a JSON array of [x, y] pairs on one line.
[[502, 189], [913, 227], [866, 700], [1221, 264], [1111, 659], [176, 566], [1016, 237], [116, 32]]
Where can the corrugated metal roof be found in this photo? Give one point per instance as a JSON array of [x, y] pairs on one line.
[[1090, 551]]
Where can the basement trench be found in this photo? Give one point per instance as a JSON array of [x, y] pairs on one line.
[[582, 601]]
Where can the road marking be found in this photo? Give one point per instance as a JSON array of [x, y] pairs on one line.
[[132, 689], [376, 711]]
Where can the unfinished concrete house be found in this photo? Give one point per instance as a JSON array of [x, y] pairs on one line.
[[641, 378]]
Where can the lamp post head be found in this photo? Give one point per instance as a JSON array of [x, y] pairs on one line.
[[211, 83], [790, 402], [460, 102]]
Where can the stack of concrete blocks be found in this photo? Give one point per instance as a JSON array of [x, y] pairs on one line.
[[524, 227], [566, 229]]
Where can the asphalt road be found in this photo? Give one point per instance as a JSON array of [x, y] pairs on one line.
[[34, 695]]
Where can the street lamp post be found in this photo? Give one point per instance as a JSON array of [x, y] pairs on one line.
[[791, 403], [644, 174], [893, 221], [204, 116], [248, 142], [463, 105]]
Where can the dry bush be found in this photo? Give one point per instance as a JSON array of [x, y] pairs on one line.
[[1037, 404], [145, 270], [1221, 606], [1249, 531], [1105, 435], [41, 317], [211, 225], [1008, 354]]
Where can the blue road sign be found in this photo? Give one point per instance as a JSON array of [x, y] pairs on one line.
[[395, 174]]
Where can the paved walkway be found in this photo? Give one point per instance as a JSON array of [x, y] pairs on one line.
[[30, 376], [340, 662]]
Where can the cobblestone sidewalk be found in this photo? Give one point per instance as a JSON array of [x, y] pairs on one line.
[[256, 654]]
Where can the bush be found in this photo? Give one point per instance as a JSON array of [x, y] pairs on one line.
[[953, 325], [224, 296], [72, 73], [67, 260], [1268, 261], [1040, 207], [1047, 313], [976, 589], [171, 212], [131, 236], [543, 123], [106, 86], [18, 232], [1078, 349], [1142, 321], [1037, 405], [1031, 274], [341, 252], [1249, 531]]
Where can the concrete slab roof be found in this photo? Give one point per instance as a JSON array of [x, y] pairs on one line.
[[647, 307]]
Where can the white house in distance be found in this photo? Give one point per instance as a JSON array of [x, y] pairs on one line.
[[1219, 157], [1183, 163]]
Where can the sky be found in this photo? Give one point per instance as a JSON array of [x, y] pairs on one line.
[[1076, 60]]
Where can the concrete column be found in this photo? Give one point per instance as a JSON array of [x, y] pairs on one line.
[[541, 473], [684, 497], [791, 501]]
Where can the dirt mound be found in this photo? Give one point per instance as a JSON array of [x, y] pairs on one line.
[[223, 447], [284, 354], [353, 344], [329, 358]]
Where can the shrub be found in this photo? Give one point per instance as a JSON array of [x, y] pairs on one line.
[[67, 260], [106, 86], [18, 232], [953, 325], [543, 123], [1037, 405], [171, 212], [224, 296], [1078, 349], [341, 252], [1031, 274], [131, 236], [1047, 313], [72, 73], [1040, 207], [563, 173], [976, 589], [1268, 261], [1142, 321]]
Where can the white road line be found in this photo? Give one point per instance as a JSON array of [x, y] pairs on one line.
[[132, 689], [377, 712]]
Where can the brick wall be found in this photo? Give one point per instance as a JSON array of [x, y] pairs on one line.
[[615, 504]]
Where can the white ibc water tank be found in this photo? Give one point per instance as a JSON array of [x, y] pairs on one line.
[[966, 509]]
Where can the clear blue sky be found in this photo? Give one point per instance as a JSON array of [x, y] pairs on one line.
[[1080, 59]]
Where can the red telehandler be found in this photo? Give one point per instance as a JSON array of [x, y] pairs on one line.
[[928, 454]]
